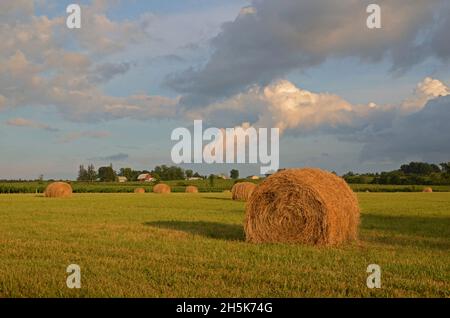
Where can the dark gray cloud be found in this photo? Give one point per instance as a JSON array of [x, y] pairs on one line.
[[440, 42], [107, 71], [276, 37], [423, 135], [116, 157]]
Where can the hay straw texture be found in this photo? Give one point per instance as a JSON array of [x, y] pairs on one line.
[[242, 191], [139, 190], [191, 189], [428, 190], [58, 190], [161, 188], [308, 206]]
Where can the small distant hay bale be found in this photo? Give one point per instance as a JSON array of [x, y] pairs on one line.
[[308, 206], [191, 189], [242, 191], [58, 190], [161, 188], [139, 190], [227, 192], [427, 190]]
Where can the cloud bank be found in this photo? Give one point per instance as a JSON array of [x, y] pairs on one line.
[[271, 38]]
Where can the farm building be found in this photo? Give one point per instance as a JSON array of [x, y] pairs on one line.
[[145, 177], [122, 179]]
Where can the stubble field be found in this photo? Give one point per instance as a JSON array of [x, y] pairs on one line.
[[192, 245]]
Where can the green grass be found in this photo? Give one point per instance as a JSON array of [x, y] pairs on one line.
[[183, 245]]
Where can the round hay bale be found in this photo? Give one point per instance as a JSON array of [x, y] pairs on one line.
[[58, 190], [309, 206], [242, 191], [161, 188], [191, 189], [427, 190], [139, 190]]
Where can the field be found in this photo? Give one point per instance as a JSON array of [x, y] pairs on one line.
[[114, 187], [184, 245], [180, 185]]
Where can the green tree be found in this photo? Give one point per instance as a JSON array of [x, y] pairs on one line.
[[234, 174], [106, 174], [211, 179], [134, 174], [127, 173], [82, 174], [445, 167], [189, 173], [91, 173], [157, 177], [420, 168], [169, 173]]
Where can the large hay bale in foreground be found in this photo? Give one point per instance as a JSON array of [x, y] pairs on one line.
[[161, 188], [139, 190], [308, 206], [191, 189], [242, 191], [428, 190], [58, 190]]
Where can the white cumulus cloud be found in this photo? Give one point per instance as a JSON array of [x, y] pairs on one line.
[[425, 91]]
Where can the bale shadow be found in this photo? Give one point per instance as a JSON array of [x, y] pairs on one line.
[[221, 231]]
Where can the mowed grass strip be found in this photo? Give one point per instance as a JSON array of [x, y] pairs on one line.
[[192, 245]]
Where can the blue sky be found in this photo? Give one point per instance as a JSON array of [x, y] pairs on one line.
[[113, 91]]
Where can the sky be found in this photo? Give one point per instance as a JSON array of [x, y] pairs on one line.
[[345, 97]]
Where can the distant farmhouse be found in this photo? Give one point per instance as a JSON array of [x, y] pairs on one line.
[[122, 179], [146, 177]]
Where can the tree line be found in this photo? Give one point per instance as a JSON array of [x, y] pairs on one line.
[[413, 173], [160, 173]]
